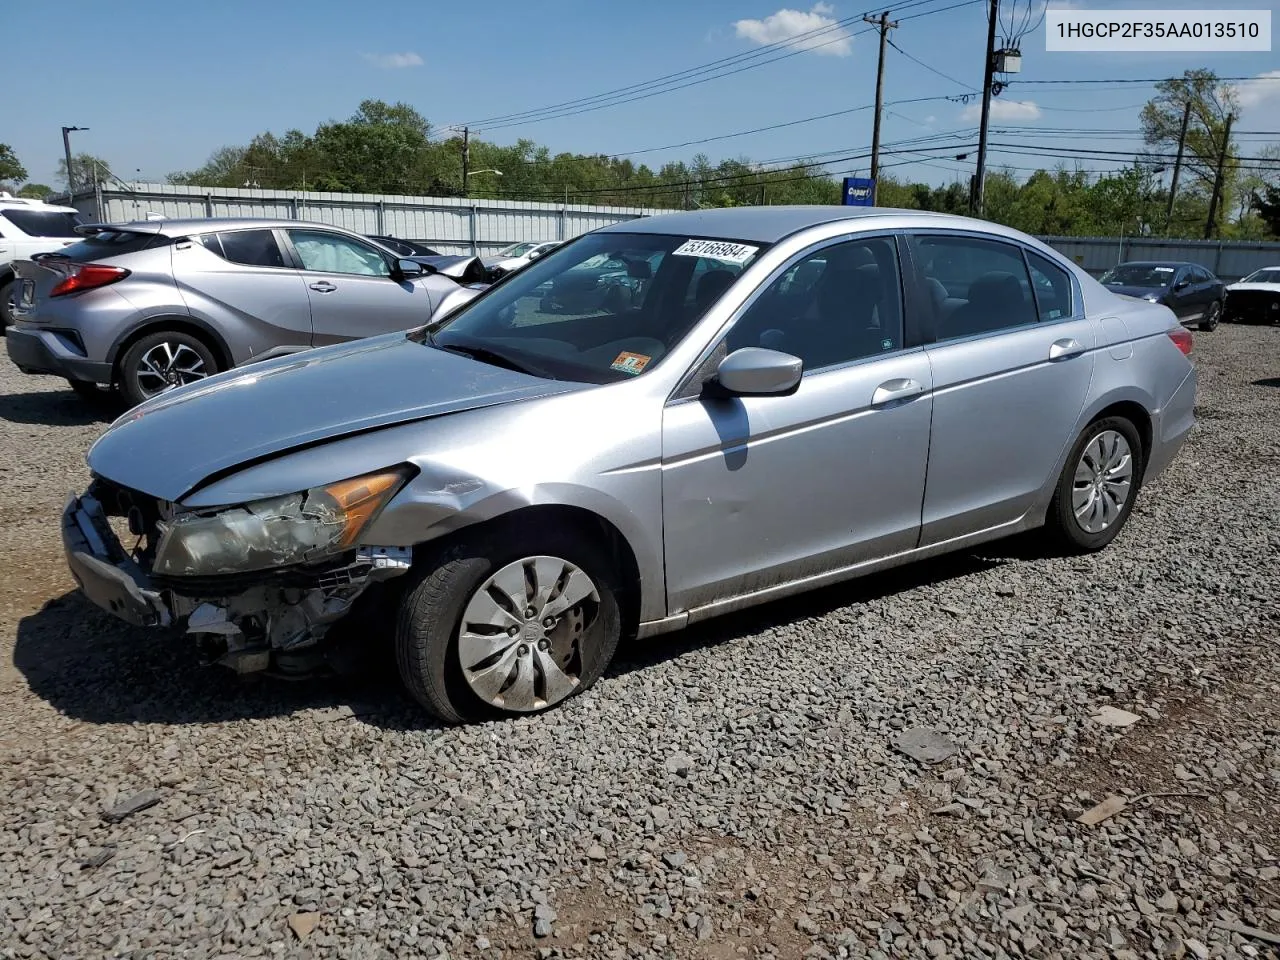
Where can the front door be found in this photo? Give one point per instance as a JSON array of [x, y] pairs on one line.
[[1012, 364], [759, 491], [351, 289]]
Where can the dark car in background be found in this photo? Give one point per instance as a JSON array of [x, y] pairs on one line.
[[1192, 292]]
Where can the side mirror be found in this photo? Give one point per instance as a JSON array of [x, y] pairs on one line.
[[405, 269], [1182, 284], [756, 372]]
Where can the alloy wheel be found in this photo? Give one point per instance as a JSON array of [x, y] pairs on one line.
[[518, 643], [1103, 481], [168, 365]]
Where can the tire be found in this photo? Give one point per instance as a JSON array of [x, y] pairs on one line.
[[1076, 534], [191, 360], [429, 650], [6, 310], [1212, 317]]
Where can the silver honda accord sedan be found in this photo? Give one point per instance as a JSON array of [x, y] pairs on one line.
[[794, 396]]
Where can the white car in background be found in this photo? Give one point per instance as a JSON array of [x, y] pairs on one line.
[[1255, 299], [28, 227], [518, 255]]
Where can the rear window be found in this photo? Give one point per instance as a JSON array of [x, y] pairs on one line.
[[43, 223], [111, 243]]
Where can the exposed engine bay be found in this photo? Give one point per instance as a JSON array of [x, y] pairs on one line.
[[250, 622]]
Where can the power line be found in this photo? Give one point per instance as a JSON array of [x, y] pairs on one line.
[[933, 69], [712, 71]]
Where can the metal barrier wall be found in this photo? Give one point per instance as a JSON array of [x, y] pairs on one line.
[[448, 224]]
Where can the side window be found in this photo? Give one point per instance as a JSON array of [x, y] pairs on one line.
[[334, 253], [840, 303], [253, 248], [976, 286], [1052, 286]]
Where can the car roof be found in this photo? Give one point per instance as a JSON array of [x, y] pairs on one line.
[[771, 224], [1160, 263], [27, 203]]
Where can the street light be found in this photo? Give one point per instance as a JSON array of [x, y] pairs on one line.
[[66, 147]]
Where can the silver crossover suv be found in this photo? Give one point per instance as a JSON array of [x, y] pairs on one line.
[[799, 395], [156, 304]]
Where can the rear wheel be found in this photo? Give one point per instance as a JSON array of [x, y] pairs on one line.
[[509, 622], [161, 361], [8, 290], [1212, 316], [1098, 486]]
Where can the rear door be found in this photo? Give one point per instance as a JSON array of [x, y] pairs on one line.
[[239, 281], [1011, 365], [351, 289]]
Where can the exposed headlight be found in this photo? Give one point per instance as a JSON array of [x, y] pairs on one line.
[[283, 531]]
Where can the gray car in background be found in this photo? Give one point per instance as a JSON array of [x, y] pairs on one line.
[[152, 305], [797, 395]]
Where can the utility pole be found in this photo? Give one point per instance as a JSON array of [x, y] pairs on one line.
[[1217, 180], [884, 25], [1177, 165], [466, 159], [988, 76], [66, 147]]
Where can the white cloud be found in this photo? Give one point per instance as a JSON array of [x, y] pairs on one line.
[[1264, 90], [786, 24], [393, 61], [1003, 110]]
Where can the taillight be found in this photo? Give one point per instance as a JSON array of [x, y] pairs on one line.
[[87, 276], [1182, 339]]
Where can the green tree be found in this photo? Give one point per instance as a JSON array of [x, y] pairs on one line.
[[87, 170], [1267, 205], [11, 170], [35, 191]]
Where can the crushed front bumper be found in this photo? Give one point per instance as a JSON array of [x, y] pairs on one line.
[[108, 577], [247, 625]]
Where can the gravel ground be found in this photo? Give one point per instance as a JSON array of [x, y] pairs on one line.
[[736, 790]]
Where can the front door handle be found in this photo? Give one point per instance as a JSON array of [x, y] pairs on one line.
[[323, 286], [890, 391], [1065, 348]]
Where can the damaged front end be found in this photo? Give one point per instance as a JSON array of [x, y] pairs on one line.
[[259, 584]]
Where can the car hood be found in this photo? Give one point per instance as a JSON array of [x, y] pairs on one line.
[[1262, 287], [1138, 293], [168, 445]]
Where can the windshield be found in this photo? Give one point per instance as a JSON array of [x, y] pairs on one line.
[[1138, 275], [613, 320], [1270, 275], [516, 250], [43, 223], [111, 243]]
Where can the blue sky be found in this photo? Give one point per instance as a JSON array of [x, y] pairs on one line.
[[162, 84]]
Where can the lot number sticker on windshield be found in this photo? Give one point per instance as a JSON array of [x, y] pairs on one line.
[[716, 250], [632, 363]]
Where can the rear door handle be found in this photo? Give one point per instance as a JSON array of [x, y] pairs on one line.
[[323, 286], [890, 391], [1065, 348]]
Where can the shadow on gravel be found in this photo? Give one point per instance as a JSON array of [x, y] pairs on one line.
[[89, 666], [1267, 382], [61, 408]]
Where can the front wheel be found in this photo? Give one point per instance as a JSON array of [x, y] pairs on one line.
[[1098, 485], [508, 624], [161, 361], [1212, 316]]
